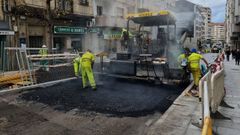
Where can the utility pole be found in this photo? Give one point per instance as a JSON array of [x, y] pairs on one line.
[[49, 34]]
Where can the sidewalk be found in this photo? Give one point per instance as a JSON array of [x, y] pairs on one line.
[[183, 116], [232, 85]]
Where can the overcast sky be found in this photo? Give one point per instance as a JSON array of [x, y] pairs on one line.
[[217, 6]]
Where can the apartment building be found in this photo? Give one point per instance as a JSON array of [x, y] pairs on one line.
[[156, 5], [217, 32], [232, 21], [206, 13], [56, 23], [190, 20], [109, 20]]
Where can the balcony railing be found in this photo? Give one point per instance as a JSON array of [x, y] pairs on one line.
[[83, 10], [32, 3]]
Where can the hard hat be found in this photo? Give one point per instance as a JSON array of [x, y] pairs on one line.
[[194, 50], [44, 46]]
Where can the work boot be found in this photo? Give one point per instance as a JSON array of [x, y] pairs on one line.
[[94, 88]]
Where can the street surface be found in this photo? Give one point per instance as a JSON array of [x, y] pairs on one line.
[[232, 85], [118, 107]]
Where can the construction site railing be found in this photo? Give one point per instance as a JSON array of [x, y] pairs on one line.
[[24, 66]]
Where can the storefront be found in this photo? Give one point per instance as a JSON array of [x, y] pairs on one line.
[[4, 33], [67, 38], [36, 36], [100, 39]]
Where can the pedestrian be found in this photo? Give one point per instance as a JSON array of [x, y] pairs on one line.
[[227, 53], [194, 67], [87, 62], [237, 57], [76, 65], [233, 53]]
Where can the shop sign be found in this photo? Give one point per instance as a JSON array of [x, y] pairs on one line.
[[6, 32], [69, 30], [112, 36], [94, 30]]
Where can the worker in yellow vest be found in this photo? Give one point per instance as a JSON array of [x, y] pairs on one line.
[[183, 62], [43, 52], [76, 65], [194, 66], [87, 62]]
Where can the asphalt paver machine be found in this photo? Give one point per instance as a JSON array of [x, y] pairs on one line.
[[148, 57]]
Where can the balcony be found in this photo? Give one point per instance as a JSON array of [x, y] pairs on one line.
[[113, 21], [32, 3], [30, 8], [83, 10]]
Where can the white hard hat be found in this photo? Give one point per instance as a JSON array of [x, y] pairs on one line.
[[44, 46]]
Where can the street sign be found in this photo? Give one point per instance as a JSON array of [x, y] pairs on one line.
[[69, 30], [6, 32]]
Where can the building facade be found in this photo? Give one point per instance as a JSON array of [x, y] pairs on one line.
[[190, 20], [217, 32], [206, 13], [109, 21], [6, 34], [56, 23], [232, 21]]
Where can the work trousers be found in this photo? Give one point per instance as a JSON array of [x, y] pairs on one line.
[[76, 68], [196, 75], [237, 60], [87, 75]]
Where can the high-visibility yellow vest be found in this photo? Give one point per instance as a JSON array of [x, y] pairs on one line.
[[43, 52], [87, 59], [183, 60], [194, 60], [77, 59]]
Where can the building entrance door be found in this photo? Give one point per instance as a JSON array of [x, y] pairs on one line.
[[2, 45]]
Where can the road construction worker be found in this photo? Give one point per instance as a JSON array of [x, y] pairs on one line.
[[183, 58], [76, 65], [87, 62], [43, 52], [194, 66], [183, 62]]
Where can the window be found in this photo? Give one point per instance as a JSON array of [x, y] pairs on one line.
[[99, 10], [65, 5], [84, 2], [6, 6]]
